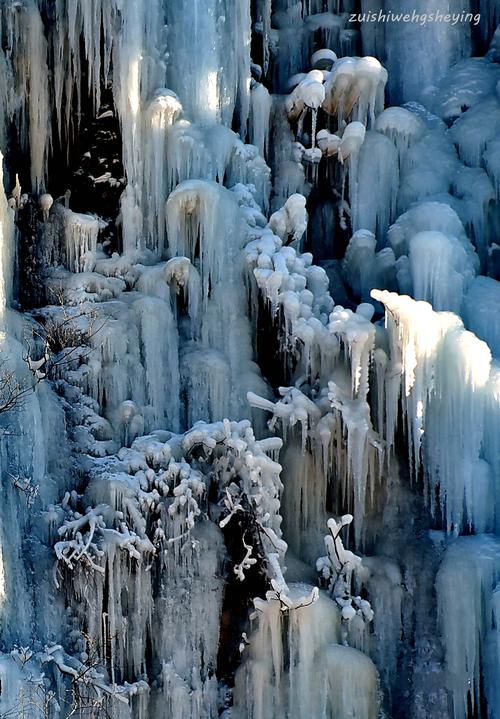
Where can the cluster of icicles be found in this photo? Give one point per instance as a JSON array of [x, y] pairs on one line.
[[143, 540]]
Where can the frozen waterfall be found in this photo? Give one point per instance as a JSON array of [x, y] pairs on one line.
[[249, 359]]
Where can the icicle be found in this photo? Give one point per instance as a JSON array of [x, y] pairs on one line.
[[209, 59], [158, 336], [159, 115], [444, 377], [373, 183], [80, 236], [323, 678], [134, 80], [473, 564], [194, 218], [401, 126], [260, 109], [266, 30], [441, 270], [31, 78], [46, 201], [354, 89], [7, 247], [424, 216]]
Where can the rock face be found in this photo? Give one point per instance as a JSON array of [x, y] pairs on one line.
[[249, 383]]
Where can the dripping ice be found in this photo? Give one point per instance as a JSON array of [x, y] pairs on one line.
[[253, 467]]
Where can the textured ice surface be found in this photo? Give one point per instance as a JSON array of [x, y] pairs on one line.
[[200, 405]]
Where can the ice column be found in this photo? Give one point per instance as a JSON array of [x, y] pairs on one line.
[[6, 246], [29, 52], [444, 383], [466, 603], [295, 667], [209, 58]]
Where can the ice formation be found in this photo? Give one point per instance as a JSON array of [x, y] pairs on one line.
[[247, 301]]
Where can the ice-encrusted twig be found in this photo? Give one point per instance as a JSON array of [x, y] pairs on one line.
[[246, 563], [295, 407], [337, 570]]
